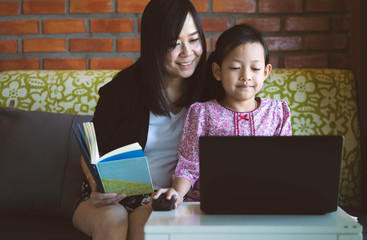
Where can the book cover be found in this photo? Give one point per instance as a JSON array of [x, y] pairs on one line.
[[123, 170]]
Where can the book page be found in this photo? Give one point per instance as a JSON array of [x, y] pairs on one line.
[[129, 151], [91, 139], [128, 148]]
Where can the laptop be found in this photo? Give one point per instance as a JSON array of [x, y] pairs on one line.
[[270, 175]]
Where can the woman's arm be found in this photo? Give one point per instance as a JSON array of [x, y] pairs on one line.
[[89, 175]]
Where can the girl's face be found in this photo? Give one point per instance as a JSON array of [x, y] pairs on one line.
[[242, 75], [184, 57]]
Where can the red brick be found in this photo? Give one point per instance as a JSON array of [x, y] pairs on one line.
[[328, 5], [215, 24], [90, 45], [43, 6], [110, 63], [111, 25], [200, 5], [91, 6], [289, 43], [64, 64], [139, 25], [19, 64], [128, 45], [9, 8], [326, 42], [242, 6], [262, 24], [280, 6], [131, 6], [214, 41], [64, 26], [207, 41], [44, 45], [309, 61], [274, 61], [341, 61], [8, 46], [342, 23], [307, 24], [138, 6], [19, 27]]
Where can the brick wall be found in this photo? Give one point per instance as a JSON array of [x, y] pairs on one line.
[[104, 34]]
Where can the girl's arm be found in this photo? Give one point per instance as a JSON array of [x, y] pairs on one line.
[[286, 128], [187, 169], [181, 185], [188, 150], [178, 190]]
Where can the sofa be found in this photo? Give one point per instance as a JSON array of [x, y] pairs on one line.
[[40, 173]]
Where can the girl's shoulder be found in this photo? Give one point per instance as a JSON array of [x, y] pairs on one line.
[[204, 108], [272, 102], [274, 106], [200, 106]]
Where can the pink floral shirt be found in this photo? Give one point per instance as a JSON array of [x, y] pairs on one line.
[[270, 118]]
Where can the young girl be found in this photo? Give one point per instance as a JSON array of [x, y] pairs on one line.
[[237, 70]]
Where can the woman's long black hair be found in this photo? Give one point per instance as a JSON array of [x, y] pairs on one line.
[[226, 43], [161, 24]]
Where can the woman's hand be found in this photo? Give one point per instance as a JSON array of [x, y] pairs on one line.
[[99, 199], [171, 192], [103, 199]]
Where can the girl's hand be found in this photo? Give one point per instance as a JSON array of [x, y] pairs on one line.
[[171, 192], [103, 199]]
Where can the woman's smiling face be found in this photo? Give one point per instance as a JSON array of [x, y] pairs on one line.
[[185, 55]]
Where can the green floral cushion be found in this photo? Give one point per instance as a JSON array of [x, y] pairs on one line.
[[74, 92], [322, 102]]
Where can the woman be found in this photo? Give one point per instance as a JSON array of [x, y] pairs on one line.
[[146, 103]]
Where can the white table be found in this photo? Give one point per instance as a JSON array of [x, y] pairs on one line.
[[189, 223]]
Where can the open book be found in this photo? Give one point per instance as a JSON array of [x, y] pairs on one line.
[[123, 170]]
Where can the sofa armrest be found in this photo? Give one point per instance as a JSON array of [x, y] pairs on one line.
[[40, 169]]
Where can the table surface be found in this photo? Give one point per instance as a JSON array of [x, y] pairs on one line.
[[189, 218]]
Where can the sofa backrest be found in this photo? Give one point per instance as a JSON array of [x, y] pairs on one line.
[[322, 102], [73, 92]]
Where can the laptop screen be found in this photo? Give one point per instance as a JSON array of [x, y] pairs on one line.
[[270, 175]]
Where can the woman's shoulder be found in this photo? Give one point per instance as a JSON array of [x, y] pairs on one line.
[[125, 79]]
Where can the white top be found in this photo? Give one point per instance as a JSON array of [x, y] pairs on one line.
[[161, 148], [190, 222]]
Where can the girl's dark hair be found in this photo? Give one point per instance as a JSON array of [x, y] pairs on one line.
[[228, 41], [161, 24]]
